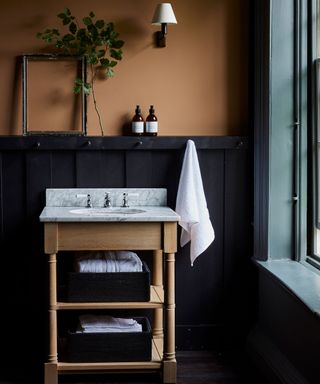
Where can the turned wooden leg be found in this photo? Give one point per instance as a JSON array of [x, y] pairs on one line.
[[169, 353], [157, 280], [53, 352]]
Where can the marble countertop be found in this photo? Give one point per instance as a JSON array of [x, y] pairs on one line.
[[69, 205], [150, 213]]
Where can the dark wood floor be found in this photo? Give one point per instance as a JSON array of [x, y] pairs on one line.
[[194, 367]]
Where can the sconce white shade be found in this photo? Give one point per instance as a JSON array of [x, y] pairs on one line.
[[164, 14]]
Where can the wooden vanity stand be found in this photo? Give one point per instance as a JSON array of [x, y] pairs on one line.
[[159, 237]]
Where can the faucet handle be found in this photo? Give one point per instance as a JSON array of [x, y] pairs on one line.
[[107, 201], [125, 200], [88, 196], [89, 204]]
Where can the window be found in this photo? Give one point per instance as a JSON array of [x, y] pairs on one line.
[[314, 147]]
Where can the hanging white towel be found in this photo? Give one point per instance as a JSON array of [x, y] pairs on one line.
[[191, 205]]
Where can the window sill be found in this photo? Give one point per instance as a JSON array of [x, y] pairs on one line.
[[298, 278]]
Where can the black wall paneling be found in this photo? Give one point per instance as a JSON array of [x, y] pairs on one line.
[[237, 243], [200, 288], [100, 169], [138, 169], [63, 169], [209, 295]]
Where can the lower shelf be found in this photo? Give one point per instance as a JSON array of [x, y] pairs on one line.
[[154, 364]]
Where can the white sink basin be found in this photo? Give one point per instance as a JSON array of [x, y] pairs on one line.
[[106, 211]]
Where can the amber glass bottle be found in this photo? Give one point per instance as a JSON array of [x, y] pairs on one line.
[[151, 123], [137, 124]]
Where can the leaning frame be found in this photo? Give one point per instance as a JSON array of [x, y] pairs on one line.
[[52, 57]]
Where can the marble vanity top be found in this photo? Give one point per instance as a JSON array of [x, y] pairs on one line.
[[145, 204]]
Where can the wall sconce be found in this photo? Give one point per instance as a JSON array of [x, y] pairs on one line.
[[163, 16]]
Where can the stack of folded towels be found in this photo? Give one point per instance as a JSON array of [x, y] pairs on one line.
[[108, 261], [107, 324]]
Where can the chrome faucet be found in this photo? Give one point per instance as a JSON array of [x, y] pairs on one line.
[[125, 200], [89, 204], [107, 201], [88, 196]]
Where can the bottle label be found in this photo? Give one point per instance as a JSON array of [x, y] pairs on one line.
[[137, 126], [151, 126]]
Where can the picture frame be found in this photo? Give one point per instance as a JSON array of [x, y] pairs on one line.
[[49, 104]]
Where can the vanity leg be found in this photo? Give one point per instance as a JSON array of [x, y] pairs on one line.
[[157, 281], [169, 355], [50, 374], [53, 352]]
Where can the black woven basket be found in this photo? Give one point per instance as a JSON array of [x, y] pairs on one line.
[[110, 286], [110, 347]]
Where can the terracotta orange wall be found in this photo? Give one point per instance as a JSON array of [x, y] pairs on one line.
[[198, 83]]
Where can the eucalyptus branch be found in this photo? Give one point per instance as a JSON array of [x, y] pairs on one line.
[[93, 76], [96, 40]]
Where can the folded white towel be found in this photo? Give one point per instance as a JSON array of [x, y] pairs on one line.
[[136, 328], [108, 261], [101, 324], [191, 205]]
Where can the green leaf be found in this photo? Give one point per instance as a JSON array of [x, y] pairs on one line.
[[104, 63], [67, 11], [87, 20], [91, 14], [113, 63], [80, 84], [81, 33], [98, 41], [101, 53], [92, 59], [78, 81], [109, 72], [67, 38], [66, 21], [117, 44], [76, 89], [116, 54], [110, 27], [93, 31], [61, 15], [59, 44], [99, 24], [73, 28], [114, 35], [86, 88]]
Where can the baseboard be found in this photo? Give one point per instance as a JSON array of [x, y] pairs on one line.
[[270, 361]]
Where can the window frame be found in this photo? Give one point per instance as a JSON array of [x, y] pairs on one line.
[[313, 258], [281, 129]]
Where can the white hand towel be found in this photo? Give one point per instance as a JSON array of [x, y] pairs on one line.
[[191, 205]]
